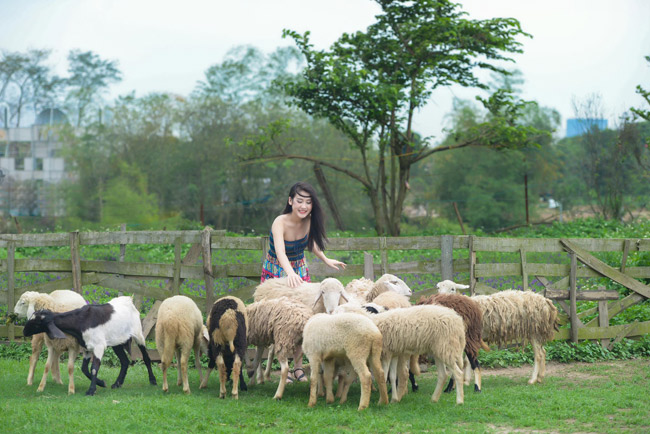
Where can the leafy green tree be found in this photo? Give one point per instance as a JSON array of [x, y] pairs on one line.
[[370, 84], [89, 77]]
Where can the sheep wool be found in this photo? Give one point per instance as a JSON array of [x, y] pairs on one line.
[[388, 282], [321, 297], [180, 329], [278, 321]]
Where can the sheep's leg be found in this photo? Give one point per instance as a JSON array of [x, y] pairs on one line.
[[375, 366], [321, 383], [402, 376], [37, 346], [539, 367], [86, 372], [345, 381], [269, 363], [179, 376], [223, 376], [96, 363], [255, 370], [328, 378], [468, 367], [392, 369], [542, 363], [52, 356], [197, 360], [314, 362], [237, 377], [284, 373], [166, 358], [536, 357], [184, 361], [365, 379], [72, 357], [124, 365], [457, 372], [473, 365], [442, 378], [414, 370]]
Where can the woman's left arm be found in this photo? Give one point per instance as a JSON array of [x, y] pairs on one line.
[[332, 263]]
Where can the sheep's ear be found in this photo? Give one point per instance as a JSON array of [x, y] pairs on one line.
[[206, 335], [30, 311], [345, 296], [53, 332], [320, 295], [460, 286]]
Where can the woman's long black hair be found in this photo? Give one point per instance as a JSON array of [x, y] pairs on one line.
[[317, 228]]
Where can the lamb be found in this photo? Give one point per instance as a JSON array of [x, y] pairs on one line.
[[278, 321], [227, 325], [522, 316], [58, 301], [179, 329], [321, 297], [96, 327], [435, 330], [472, 316], [391, 300], [348, 337], [367, 289]]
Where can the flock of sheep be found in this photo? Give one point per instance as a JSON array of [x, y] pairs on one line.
[[362, 330]]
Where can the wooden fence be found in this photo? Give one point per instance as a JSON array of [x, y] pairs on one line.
[[475, 260]]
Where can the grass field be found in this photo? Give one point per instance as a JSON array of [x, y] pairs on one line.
[[600, 397]]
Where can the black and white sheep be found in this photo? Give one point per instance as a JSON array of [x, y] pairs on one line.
[[58, 301], [96, 327], [227, 325], [180, 329], [278, 321], [516, 316]]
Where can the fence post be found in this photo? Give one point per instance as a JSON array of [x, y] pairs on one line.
[[75, 259], [524, 274], [603, 319], [626, 252], [446, 257], [573, 314], [176, 285], [121, 259], [384, 255], [472, 266], [208, 274], [368, 267], [11, 286]]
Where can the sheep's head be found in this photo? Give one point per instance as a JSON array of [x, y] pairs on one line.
[[450, 287], [331, 290], [24, 303], [42, 321], [395, 284], [374, 308], [204, 340]]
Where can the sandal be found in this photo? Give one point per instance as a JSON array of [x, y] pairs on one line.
[[302, 377], [289, 379]]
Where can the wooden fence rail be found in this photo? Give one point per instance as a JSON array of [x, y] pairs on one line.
[[446, 257]]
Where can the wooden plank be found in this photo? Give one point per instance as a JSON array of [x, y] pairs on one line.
[[643, 245], [626, 252], [75, 261], [384, 255], [111, 281], [139, 237], [208, 272], [472, 265], [611, 332], [446, 257], [616, 307], [176, 280], [368, 269], [573, 312], [11, 286], [35, 240], [603, 318], [17, 331], [524, 274], [623, 333], [492, 244], [563, 318], [606, 270], [221, 242], [591, 295], [149, 321]]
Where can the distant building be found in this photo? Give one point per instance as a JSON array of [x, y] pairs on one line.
[[579, 126], [31, 165]]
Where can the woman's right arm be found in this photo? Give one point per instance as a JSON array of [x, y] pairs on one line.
[[277, 229]]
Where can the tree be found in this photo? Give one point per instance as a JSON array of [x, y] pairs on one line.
[[89, 77], [370, 84]]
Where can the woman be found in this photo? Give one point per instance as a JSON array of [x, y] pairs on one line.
[[299, 226]]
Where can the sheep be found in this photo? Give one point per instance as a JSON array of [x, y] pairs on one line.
[[367, 289], [450, 287], [435, 330], [391, 300], [58, 301], [350, 338], [227, 325], [96, 327], [472, 315], [179, 329], [522, 316], [278, 321], [321, 297]]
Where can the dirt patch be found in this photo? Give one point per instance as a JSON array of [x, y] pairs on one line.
[[578, 371]]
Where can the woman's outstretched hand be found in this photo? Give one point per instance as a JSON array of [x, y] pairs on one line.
[[294, 280], [333, 263]]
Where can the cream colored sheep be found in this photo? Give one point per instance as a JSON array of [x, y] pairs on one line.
[[61, 300], [321, 296], [278, 321], [351, 339], [180, 329], [517, 316], [392, 300], [434, 330], [388, 282]]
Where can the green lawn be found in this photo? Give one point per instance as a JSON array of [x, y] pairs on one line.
[[600, 397]]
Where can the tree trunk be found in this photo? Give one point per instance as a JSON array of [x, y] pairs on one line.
[[320, 176]]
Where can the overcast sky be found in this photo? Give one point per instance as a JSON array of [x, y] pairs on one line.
[[579, 47]]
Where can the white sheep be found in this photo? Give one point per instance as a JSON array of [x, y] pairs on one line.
[[278, 321], [517, 316], [227, 325], [350, 338], [58, 301], [96, 327], [367, 289], [180, 329], [321, 296], [434, 330]]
